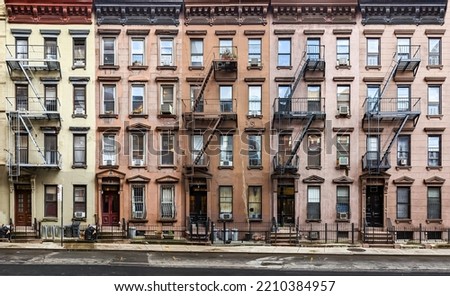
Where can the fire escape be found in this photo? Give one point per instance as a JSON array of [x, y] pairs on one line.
[[28, 116], [205, 116], [390, 112], [290, 110]]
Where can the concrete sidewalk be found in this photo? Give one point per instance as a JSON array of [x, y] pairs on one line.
[[416, 250]]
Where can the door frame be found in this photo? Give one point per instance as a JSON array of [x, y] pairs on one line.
[[29, 213]]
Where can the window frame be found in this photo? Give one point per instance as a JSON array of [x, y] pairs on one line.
[[371, 55], [82, 149], [434, 54], [313, 204], [255, 150], [138, 106], [79, 206], [22, 96], [343, 51], [434, 105], [112, 149], [51, 48], [135, 203], [167, 100], [282, 54], [51, 99], [196, 58], [106, 102], [50, 202], [342, 148], [342, 201], [162, 55], [314, 150], [167, 204], [22, 144], [225, 201], [406, 204], [343, 93], [138, 153], [168, 151], [79, 105], [255, 205], [404, 142], [105, 52], [437, 203], [226, 98], [434, 150], [226, 151], [137, 57], [79, 52], [254, 51], [255, 100]]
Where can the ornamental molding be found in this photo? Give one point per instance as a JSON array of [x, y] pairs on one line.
[[230, 14], [315, 13]]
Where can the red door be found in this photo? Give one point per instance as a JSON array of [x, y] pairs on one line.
[[110, 208], [23, 208]]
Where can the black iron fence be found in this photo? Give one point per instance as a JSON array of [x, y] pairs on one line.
[[421, 234]]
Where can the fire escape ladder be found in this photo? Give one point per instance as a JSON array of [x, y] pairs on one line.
[[29, 128], [300, 138], [14, 158], [205, 145], [203, 87], [300, 72], [31, 85], [394, 138]]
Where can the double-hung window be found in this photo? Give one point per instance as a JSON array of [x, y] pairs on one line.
[[434, 207], [434, 151], [403, 150], [226, 98], [226, 150], [403, 203], [137, 149], [226, 199], [313, 204], [79, 52], [138, 201], [434, 100], [255, 202], [254, 99], [137, 99], [434, 51], [137, 51], [167, 201], [314, 150], [167, 99], [109, 99], [51, 201], [254, 150], [109, 51], [109, 149], [79, 150], [343, 150], [254, 52], [79, 100], [167, 149], [343, 51], [196, 52], [373, 52], [284, 52], [79, 201], [166, 51], [343, 202]]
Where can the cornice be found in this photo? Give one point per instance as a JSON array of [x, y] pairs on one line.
[[50, 13], [315, 13], [231, 13], [138, 14]]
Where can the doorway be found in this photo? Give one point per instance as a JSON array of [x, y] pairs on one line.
[[22, 209], [198, 203], [286, 205], [374, 206], [110, 207]]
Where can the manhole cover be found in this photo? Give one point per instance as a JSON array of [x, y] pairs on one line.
[[356, 250]]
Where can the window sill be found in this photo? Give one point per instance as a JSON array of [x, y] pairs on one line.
[[109, 116], [342, 220], [109, 67], [224, 220], [429, 221], [79, 116], [138, 221], [255, 167], [111, 167], [313, 220], [49, 219], [135, 67], [403, 167], [314, 167], [440, 67], [343, 67], [173, 68], [79, 67], [249, 116], [373, 67], [172, 167], [136, 166], [221, 167], [167, 220], [79, 219], [399, 221], [284, 67], [430, 168], [342, 167], [79, 166], [138, 116], [439, 116], [191, 68], [343, 116], [167, 116], [256, 220], [254, 67]]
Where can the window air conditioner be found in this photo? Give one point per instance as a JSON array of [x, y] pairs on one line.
[[343, 62], [138, 162], [109, 162], [226, 216], [343, 161], [403, 161], [343, 110], [254, 62], [79, 111], [80, 214], [166, 108], [313, 235], [343, 216], [226, 163]]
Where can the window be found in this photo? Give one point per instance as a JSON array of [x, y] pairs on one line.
[[403, 150], [79, 52], [226, 98], [434, 51], [137, 51], [373, 52], [343, 51], [167, 99], [137, 201], [137, 149], [226, 150], [254, 52], [21, 97], [404, 48], [284, 101], [434, 99], [343, 150], [79, 201], [79, 150], [434, 151], [137, 99], [225, 47], [314, 149], [196, 52], [343, 202], [403, 203], [167, 149], [284, 52], [343, 99], [313, 207], [50, 97], [255, 202], [22, 49], [403, 98], [254, 150], [434, 203], [166, 52], [109, 49], [373, 98], [79, 99], [109, 99], [109, 149], [194, 94], [373, 151], [51, 149], [196, 148], [314, 98], [167, 201], [225, 199], [51, 201], [254, 99], [313, 49], [22, 144], [50, 49]]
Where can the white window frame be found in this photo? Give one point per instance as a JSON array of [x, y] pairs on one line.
[[254, 51], [137, 55], [137, 154], [166, 58], [196, 59], [109, 149], [314, 200], [138, 201], [114, 101], [167, 201], [169, 150], [226, 150], [137, 91], [255, 148], [103, 56], [226, 200], [167, 100], [255, 202], [254, 100]]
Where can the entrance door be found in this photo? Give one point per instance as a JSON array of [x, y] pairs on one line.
[[110, 208], [198, 203], [286, 205], [23, 207], [374, 206]]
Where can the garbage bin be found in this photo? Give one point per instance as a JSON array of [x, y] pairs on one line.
[[76, 229], [234, 234], [132, 232]]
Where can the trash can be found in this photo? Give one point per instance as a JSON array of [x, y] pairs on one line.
[[76, 229], [132, 232], [234, 234]]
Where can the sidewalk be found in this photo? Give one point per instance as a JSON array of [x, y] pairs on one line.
[[220, 248]]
